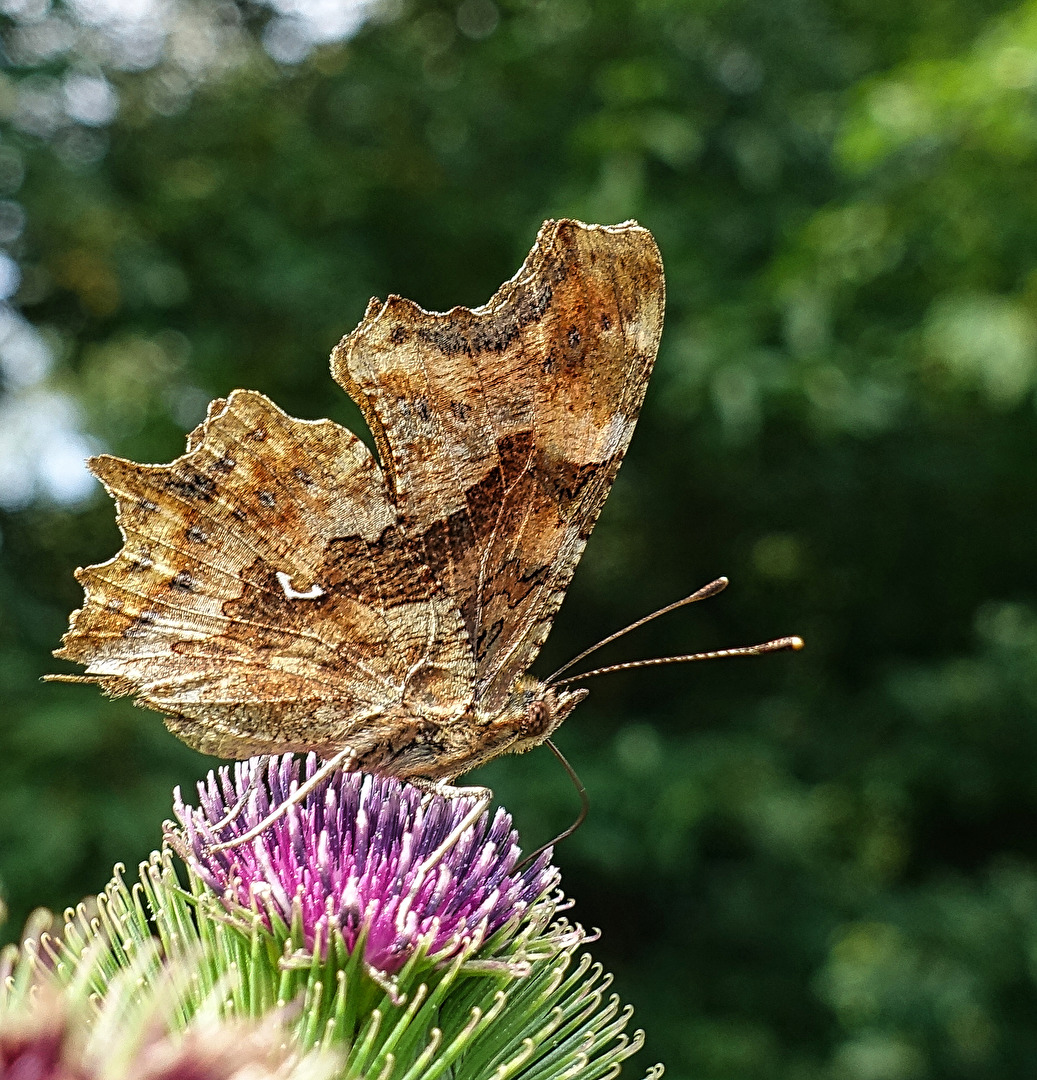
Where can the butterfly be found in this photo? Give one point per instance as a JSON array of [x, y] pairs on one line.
[[282, 588]]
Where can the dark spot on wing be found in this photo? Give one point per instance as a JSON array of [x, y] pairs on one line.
[[515, 452], [524, 583], [191, 485], [571, 478], [140, 625], [447, 541], [483, 500], [140, 562], [493, 332], [182, 580], [488, 638], [387, 571]]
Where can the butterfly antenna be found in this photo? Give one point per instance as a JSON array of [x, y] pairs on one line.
[[712, 589], [784, 644], [580, 818]]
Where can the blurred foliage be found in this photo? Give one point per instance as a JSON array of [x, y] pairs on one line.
[[813, 866]]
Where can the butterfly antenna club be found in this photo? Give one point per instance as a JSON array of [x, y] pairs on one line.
[[785, 644]]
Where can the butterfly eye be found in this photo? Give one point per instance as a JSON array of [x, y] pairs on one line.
[[538, 719]]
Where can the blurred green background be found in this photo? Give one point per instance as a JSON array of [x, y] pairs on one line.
[[812, 866]]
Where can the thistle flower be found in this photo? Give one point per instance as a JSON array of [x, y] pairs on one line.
[[478, 974], [366, 858]]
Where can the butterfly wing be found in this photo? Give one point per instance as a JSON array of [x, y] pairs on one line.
[[501, 428], [265, 598]]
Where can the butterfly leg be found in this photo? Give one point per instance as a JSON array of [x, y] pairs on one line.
[[446, 790], [340, 760], [482, 796], [235, 810]]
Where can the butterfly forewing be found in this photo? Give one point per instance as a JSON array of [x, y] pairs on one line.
[[265, 596], [503, 426]]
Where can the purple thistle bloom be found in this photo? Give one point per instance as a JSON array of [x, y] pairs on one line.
[[356, 856]]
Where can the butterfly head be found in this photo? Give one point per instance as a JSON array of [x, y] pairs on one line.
[[534, 711]]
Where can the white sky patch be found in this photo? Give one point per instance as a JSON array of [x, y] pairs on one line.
[[38, 106], [12, 221], [10, 276], [26, 10], [90, 99], [299, 25], [33, 42], [42, 450], [135, 34], [25, 357], [107, 12], [130, 34], [326, 20]]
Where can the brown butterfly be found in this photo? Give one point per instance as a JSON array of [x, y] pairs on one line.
[[282, 589]]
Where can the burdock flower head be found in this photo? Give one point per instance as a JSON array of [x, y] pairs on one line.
[[368, 861]]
